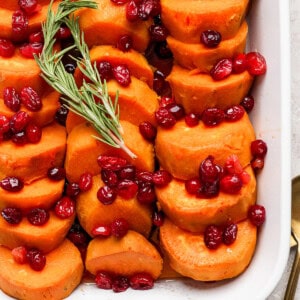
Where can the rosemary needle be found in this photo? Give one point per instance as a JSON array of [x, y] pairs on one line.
[[104, 114]]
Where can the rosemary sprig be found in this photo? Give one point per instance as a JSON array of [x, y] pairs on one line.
[[103, 114]]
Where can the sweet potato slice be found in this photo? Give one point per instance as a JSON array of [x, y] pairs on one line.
[[32, 161], [83, 150], [198, 91], [190, 257], [105, 25], [186, 20], [181, 149], [40, 193], [92, 213], [197, 56], [194, 214], [46, 237], [126, 256], [61, 275]]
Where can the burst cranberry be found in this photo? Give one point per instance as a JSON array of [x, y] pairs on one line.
[[161, 178], [12, 184], [61, 115], [192, 186], [72, 189], [165, 118], [19, 121], [146, 194], [239, 63], [124, 43], [36, 259], [132, 11], [165, 101], [113, 163], [158, 218], [65, 207], [102, 230], [232, 165], [256, 63], [28, 6], [257, 164], [7, 48], [19, 254], [38, 216], [234, 113], [30, 99], [213, 236], [105, 70], [222, 69], [12, 215], [208, 170], [248, 103], [259, 148], [191, 120], [127, 189], [119, 2], [106, 195], [36, 37], [158, 33], [141, 281], [120, 284], [85, 181], [28, 50], [119, 227], [149, 8], [210, 38], [122, 74], [176, 110], [230, 233], [231, 184], [127, 172], [12, 98], [148, 131], [257, 214], [109, 177], [19, 25], [33, 133], [103, 280], [212, 116], [56, 173]]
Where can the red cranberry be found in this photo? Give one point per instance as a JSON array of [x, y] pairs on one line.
[[109, 177], [7, 48], [85, 182], [19, 138], [61, 115], [248, 103], [127, 189], [36, 259], [19, 25], [4, 124], [28, 50], [239, 63], [19, 255], [12, 98], [165, 118], [106, 195], [149, 8], [28, 6], [161, 178], [119, 227], [12, 215], [30, 99], [11, 184], [257, 164], [103, 280], [141, 281], [222, 69], [208, 170], [124, 43], [176, 110], [208, 190], [231, 184], [19, 121], [72, 189], [256, 63], [234, 113], [159, 82], [191, 120], [165, 101], [36, 37], [146, 194], [257, 214], [38, 216], [102, 230], [144, 177], [213, 237], [233, 165], [259, 148], [120, 284], [122, 74], [132, 11], [210, 38], [212, 116], [158, 33], [127, 172], [158, 218], [113, 163], [65, 207], [105, 70], [192, 186], [56, 173], [33, 133], [230, 233], [63, 33], [148, 131]]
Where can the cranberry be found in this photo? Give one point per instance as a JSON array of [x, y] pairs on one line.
[[208, 190], [230, 233], [33, 133], [124, 43], [119, 2], [165, 118], [148, 131], [119, 227], [109, 177], [12, 184], [158, 218], [144, 177], [4, 124], [158, 33], [12, 215], [192, 186], [222, 69], [234, 113], [36, 37], [146, 194], [141, 281], [7, 48], [12, 98], [233, 165], [176, 110], [159, 82], [63, 33], [161, 178], [30, 99], [106, 195], [231, 184], [127, 172], [65, 207], [103, 280], [19, 121], [213, 236], [132, 11], [257, 214], [61, 115], [38, 216], [257, 164], [72, 189], [208, 170], [56, 173], [105, 70], [28, 50], [122, 74], [19, 25], [102, 230], [19, 254], [85, 182], [120, 284], [127, 189], [28, 6], [191, 120], [77, 235], [256, 63], [248, 103], [259, 148], [113, 163], [36, 259], [212, 116], [19, 138], [149, 8], [162, 50], [239, 63], [210, 38], [166, 101]]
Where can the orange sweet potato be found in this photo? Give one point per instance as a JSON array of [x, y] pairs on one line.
[[46, 237], [197, 56], [194, 214], [126, 256], [32, 161], [83, 150], [190, 257], [61, 275], [198, 91], [40, 193], [105, 25], [42, 117], [186, 20], [181, 149], [14, 4], [92, 213]]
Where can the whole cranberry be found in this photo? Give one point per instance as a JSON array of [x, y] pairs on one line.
[[65, 207], [7, 48], [12, 215], [231, 184], [259, 148], [12, 184], [257, 214], [106, 195], [256, 63], [120, 284], [222, 69], [12, 98], [141, 281], [212, 116], [210, 38], [230, 233], [38, 216], [36, 259], [104, 280], [119, 227], [213, 236]]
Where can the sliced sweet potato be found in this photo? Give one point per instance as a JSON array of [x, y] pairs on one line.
[[42, 117], [105, 25], [32, 161], [46, 237], [61, 275], [14, 4], [186, 20], [198, 91], [181, 149], [194, 214], [197, 56], [190, 257], [92, 213], [83, 150], [127, 256], [40, 193]]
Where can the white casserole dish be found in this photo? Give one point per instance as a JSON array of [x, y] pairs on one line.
[[269, 34]]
